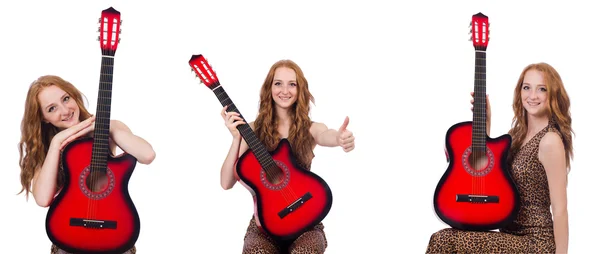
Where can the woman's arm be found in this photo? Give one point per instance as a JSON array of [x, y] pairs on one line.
[[130, 143], [552, 157], [43, 183], [333, 138], [238, 147]]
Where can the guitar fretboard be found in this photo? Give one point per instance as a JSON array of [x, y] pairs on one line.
[[479, 105], [100, 149]]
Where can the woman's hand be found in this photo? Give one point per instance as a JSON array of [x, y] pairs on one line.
[[345, 138], [232, 120], [66, 136]]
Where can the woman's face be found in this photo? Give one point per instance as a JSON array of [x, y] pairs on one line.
[[284, 89], [534, 93], [58, 108]]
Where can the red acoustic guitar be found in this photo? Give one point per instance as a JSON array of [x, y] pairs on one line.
[[477, 191], [288, 199], [93, 213]]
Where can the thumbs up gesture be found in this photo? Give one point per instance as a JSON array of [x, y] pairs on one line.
[[345, 138]]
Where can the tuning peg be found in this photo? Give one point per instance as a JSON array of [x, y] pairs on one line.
[[98, 38], [470, 38], [120, 22], [119, 40], [99, 20], [119, 31]]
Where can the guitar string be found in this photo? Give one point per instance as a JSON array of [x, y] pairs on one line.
[[94, 167], [105, 123], [99, 166], [95, 163], [481, 150], [477, 124]]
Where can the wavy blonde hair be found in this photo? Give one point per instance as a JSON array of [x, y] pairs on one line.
[[558, 108], [266, 122], [36, 135]]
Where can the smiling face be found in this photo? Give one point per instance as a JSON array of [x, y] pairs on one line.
[[58, 108], [284, 88], [534, 93]]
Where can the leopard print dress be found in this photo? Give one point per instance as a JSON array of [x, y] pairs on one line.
[[532, 229]]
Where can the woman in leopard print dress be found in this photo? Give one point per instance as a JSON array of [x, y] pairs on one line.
[[539, 159], [283, 113], [54, 116]]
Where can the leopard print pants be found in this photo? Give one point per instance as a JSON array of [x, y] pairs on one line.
[[310, 242], [56, 250]]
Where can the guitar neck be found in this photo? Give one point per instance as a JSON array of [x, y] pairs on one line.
[[260, 151], [479, 106], [100, 147]]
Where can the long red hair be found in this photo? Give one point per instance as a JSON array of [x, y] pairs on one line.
[[36, 135], [558, 108], [266, 122]]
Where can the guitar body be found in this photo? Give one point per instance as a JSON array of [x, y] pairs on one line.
[[271, 199], [493, 181], [118, 224]]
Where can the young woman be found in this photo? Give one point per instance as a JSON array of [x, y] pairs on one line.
[[283, 113], [540, 160], [54, 116]]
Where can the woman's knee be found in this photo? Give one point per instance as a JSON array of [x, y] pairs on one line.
[[313, 242]]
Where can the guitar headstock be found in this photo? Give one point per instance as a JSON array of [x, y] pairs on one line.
[[110, 29], [204, 71], [480, 31]]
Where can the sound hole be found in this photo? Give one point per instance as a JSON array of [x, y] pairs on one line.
[[96, 184], [478, 162], [275, 177], [97, 181]]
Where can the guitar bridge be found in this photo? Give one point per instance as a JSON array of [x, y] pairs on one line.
[[295, 205], [97, 224], [477, 198]]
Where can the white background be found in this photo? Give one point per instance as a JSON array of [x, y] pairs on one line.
[[402, 73]]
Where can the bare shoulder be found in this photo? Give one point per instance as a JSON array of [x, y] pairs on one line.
[[551, 151], [251, 125], [551, 142]]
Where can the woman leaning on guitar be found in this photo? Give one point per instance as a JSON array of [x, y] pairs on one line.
[[283, 113], [540, 161], [54, 116]]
